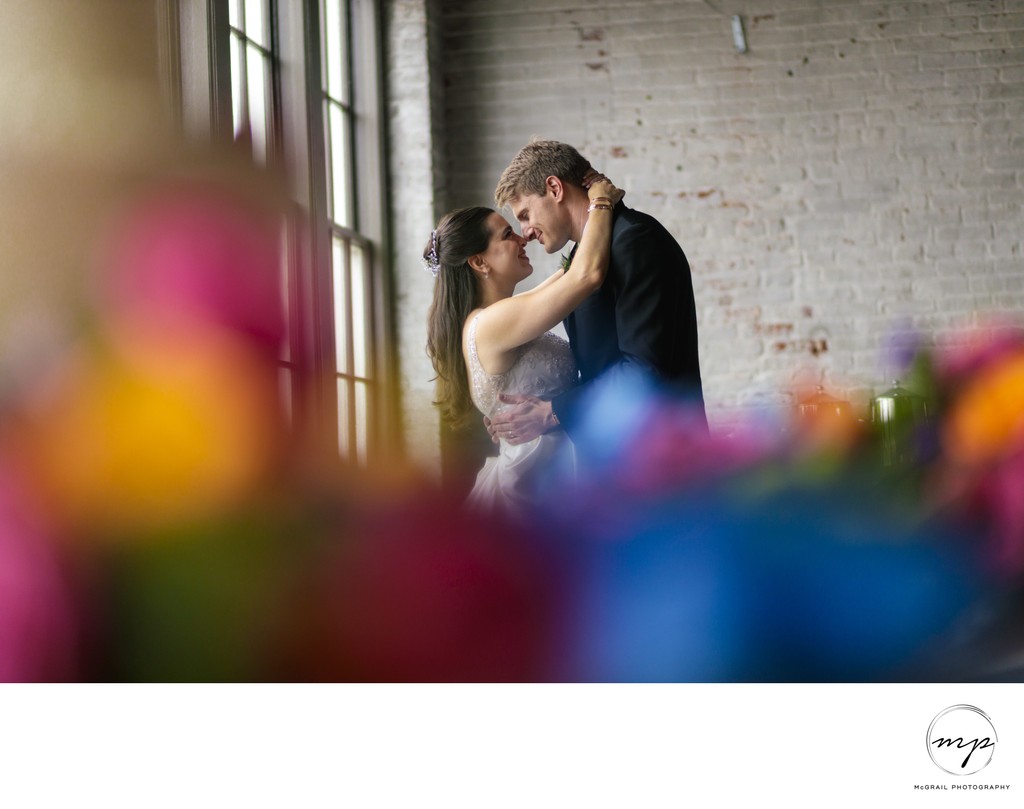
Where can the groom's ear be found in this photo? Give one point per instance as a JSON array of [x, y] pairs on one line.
[[553, 185]]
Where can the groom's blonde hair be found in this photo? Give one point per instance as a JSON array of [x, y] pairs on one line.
[[534, 163]]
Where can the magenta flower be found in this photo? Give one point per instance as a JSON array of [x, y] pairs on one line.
[[199, 252], [38, 628]]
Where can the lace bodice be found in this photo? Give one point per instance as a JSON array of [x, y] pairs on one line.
[[544, 368]]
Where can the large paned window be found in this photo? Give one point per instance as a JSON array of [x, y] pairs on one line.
[[253, 76], [351, 253], [256, 121], [303, 79]]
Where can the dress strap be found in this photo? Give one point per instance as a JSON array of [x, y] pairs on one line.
[[473, 355], [483, 386]]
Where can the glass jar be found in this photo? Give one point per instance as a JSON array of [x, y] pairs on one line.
[[896, 415]]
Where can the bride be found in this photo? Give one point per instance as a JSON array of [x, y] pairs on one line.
[[484, 341]]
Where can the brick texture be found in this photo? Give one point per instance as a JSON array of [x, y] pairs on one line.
[[858, 172], [417, 196]]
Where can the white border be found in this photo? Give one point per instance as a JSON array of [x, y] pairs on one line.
[[487, 746]]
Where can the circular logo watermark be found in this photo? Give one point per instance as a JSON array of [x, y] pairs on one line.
[[961, 740]]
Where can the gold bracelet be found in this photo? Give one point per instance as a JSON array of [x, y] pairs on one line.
[[599, 207]]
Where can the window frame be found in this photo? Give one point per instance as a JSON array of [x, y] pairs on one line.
[[196, 70]]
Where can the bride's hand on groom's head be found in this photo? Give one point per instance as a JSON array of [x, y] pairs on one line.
[[597, 185]]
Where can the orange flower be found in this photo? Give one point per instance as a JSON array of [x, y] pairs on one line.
[[987, 419]]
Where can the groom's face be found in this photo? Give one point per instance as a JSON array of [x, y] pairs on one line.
[[543, 219]]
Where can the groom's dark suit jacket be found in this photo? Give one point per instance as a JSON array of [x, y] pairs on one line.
[[641, 322]]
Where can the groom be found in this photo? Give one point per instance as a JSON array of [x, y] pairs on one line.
[[641, 322]]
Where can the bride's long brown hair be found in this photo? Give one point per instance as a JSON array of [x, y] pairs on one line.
[[460, 234]]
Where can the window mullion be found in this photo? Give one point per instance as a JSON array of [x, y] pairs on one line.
[[350, 351], [220, 69]]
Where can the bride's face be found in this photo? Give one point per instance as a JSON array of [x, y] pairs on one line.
[[506, 251]]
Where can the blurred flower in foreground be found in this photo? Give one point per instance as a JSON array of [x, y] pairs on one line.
[[694, 557], [155, 426], [635, 436], [39, 630], [979, 476], [193, 252], [203, 602], [711, 586], [986, 420], [416, 589], [169, 410]]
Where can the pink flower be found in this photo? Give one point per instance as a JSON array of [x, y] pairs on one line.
[[969, 353], [989, 498], [195, 252], [38, 629], [418, 590]]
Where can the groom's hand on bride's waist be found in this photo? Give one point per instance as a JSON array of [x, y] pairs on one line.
[[524, 419]]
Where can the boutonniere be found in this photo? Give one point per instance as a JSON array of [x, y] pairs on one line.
[[565, 263]]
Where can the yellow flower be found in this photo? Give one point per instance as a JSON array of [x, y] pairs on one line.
[[161, 429]]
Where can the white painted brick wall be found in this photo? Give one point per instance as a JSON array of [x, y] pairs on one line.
[[860, 169], [416, 166]]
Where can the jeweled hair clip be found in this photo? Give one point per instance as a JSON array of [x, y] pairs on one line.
[[431, 261]]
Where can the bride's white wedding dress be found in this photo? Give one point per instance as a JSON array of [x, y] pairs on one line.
[[512, 481]]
